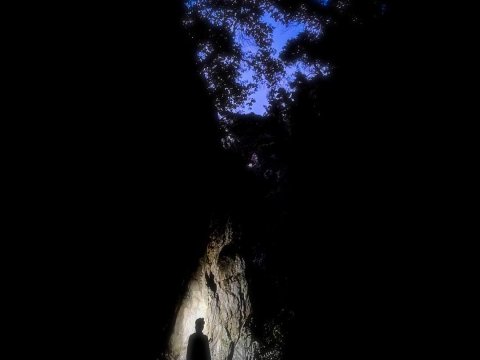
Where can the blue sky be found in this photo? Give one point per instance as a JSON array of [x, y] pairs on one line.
[[282, 33]]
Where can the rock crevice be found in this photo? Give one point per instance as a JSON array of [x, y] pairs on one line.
[[218, 292]]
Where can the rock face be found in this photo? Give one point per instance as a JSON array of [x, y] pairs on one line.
[[218, 292]]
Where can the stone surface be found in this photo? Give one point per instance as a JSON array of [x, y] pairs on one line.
[[218, 292]]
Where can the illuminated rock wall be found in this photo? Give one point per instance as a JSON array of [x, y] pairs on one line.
[[217, 292]]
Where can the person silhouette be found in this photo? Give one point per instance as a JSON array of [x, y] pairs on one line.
[[198, 348]]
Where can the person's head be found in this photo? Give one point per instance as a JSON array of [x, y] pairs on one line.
[[199, 324]]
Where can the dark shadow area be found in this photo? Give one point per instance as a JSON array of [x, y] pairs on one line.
[[137, 172], [133, 177]]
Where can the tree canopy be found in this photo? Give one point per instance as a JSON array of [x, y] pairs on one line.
[[238, 56], [235, 39]]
